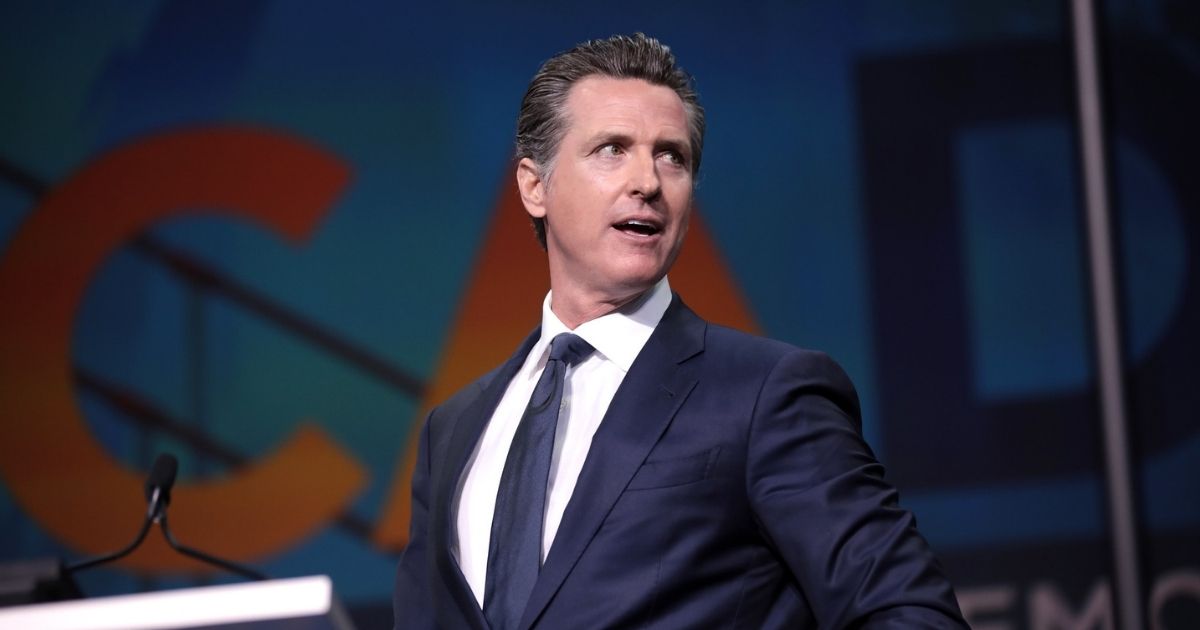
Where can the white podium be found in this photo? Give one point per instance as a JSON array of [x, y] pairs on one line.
[[306, 603]]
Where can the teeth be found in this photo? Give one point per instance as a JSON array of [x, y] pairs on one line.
[[638, 227]]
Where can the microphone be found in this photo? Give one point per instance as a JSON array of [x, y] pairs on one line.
[[158, 496], [159, 484]]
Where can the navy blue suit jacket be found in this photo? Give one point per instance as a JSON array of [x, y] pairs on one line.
[[728, 486]]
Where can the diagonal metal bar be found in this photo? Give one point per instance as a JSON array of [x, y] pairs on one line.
[[147, 416], [21, 178], [201, 275]]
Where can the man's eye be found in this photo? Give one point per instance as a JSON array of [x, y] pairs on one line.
[[610, 150], [674, 157]]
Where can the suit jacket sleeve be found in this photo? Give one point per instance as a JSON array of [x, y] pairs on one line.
[[820, 498], [412, 600]]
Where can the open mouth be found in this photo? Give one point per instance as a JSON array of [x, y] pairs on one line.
[[641, 228]]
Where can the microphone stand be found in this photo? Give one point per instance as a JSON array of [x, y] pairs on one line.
[[156, 512], [151, 512], [245, 572]]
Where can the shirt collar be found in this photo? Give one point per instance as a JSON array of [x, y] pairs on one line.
[[619, 335]]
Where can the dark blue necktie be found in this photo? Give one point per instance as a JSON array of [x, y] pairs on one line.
[[515, 549]]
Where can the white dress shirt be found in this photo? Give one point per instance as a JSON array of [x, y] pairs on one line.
[[618, 338]]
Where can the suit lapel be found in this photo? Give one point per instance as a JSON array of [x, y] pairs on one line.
[[468, 428], [656, 386]]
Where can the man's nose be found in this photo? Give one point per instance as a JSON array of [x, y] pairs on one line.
[[644, 181]]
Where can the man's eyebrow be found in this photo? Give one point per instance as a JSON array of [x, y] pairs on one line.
[[609, 136]]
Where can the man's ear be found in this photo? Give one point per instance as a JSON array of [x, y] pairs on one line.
[[532, 188]]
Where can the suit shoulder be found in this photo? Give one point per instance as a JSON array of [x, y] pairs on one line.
[[746, 349], [778, 366]]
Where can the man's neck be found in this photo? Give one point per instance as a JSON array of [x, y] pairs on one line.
[[574, 310]]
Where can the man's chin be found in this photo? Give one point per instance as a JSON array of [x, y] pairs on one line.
[[645, 272]]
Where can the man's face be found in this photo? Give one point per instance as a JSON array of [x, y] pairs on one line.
[[618, 199]]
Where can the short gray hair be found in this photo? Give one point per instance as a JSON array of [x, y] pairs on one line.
[[541, 123]]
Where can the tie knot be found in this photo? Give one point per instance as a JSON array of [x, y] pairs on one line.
[[569, 348]]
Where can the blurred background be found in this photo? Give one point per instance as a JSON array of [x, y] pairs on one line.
[[253, 233]]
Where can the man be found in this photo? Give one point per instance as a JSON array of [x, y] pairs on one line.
[[631, 465]]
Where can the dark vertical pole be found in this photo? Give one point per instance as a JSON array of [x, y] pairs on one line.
[[1105, 309], [196, 363]]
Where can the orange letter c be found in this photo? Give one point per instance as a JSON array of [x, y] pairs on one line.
[[53, 467]]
